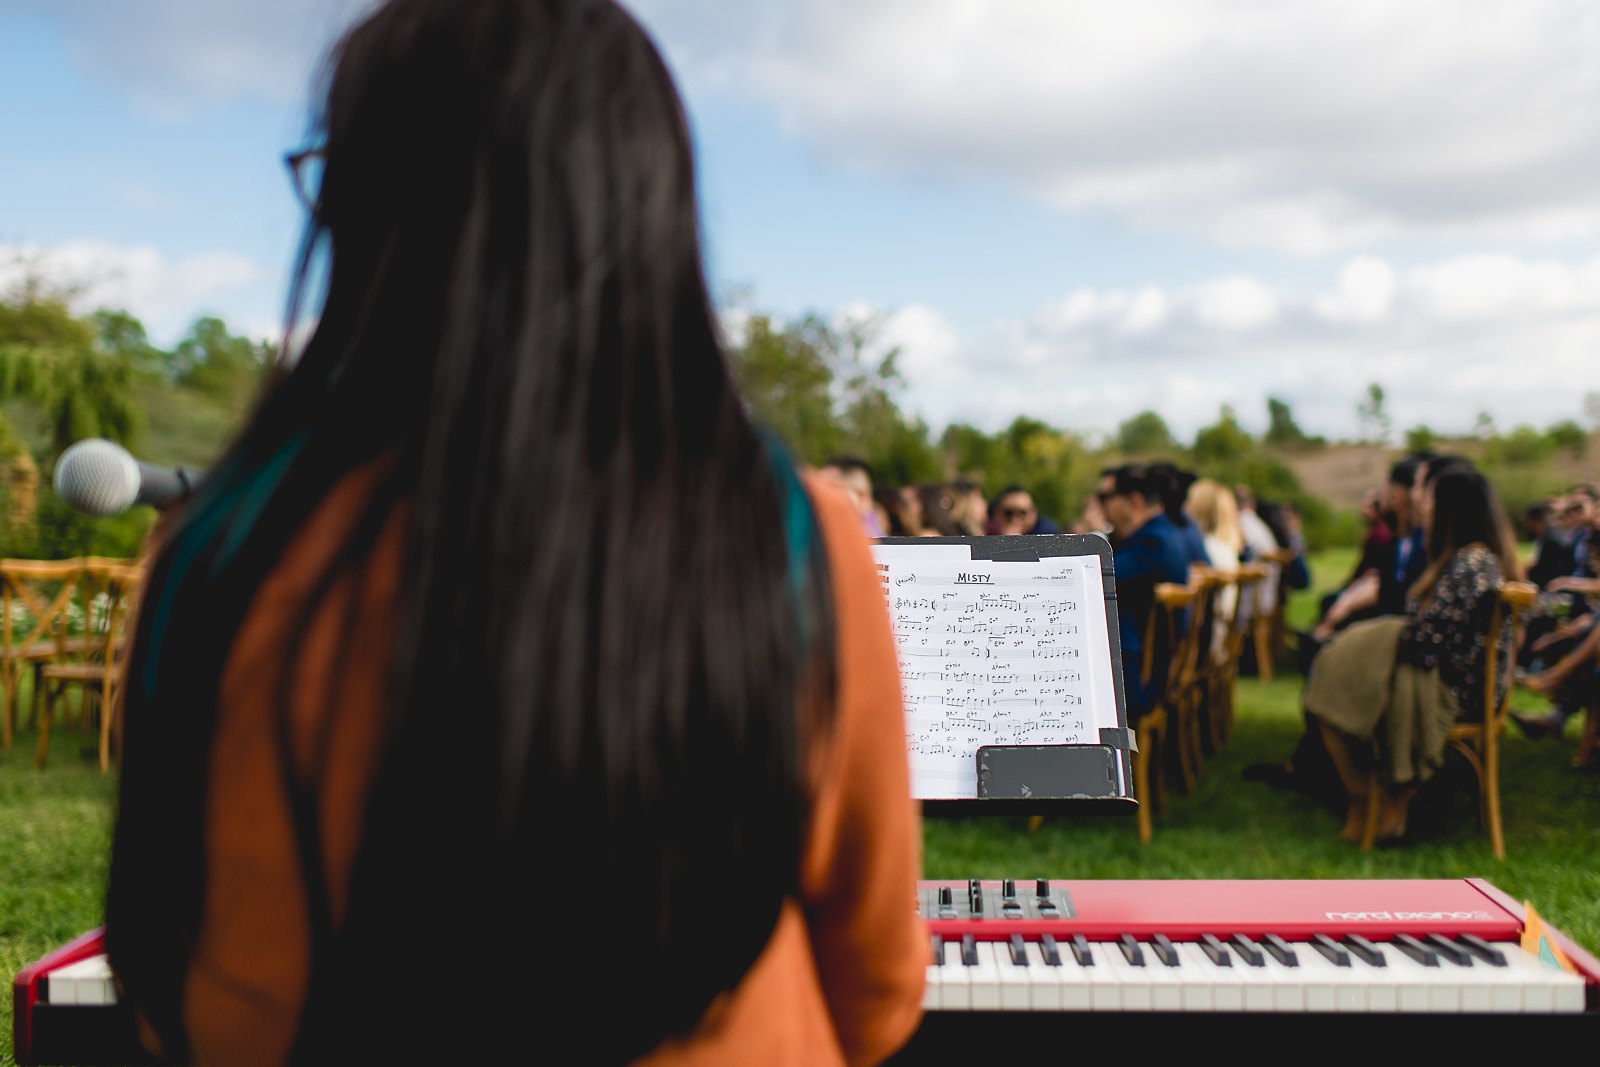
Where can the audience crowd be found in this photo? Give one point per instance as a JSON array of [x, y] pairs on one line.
[[1398, 650]]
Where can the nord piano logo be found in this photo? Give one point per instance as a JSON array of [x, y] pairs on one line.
[[1408, 916]]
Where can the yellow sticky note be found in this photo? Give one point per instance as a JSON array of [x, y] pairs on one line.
[[1536, 939]]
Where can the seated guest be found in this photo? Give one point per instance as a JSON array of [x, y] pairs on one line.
[[854, 475], [938, 505], [1014, 512], [1385, 692], [1564, 619], [1146, 551], [1174, 491], [969, 509], [1216, 515]]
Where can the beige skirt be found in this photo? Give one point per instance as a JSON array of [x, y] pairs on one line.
[[1403, 711]]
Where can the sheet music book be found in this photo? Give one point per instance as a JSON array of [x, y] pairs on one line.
[[1008, 648]]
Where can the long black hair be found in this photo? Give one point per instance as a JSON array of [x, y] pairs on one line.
[[1466, 511], [614, 645]]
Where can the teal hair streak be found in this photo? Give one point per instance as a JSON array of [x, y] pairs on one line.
[[229, 512], [798, 524]]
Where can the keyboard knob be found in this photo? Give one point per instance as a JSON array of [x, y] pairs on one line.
[[947, 897], [1041, 889], [1008, 889]]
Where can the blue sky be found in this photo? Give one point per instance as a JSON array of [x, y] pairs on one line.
[[1069, 210]]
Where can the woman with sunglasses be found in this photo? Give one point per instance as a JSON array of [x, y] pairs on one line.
[[503, 673]]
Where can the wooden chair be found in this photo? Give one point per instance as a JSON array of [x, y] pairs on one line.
[[1479, 742], [1268, 628], [1238, 631], [36, 598], [1152, 729], [96, 672], [1183, 611]]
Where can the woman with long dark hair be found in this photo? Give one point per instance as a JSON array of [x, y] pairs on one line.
[[502, 675], [1395, 685]]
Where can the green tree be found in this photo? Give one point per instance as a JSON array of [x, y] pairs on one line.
[[1144, 433], [1569, 435], [1224, 442], [51, 359], [1421, 439], [225, 367], [1282, 430], [1373, 415]]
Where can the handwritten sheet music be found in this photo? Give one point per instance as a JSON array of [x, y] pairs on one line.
[[994, 653]]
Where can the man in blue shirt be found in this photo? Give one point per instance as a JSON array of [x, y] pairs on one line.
[[1146, 550]]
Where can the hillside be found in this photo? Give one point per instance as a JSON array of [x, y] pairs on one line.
[[1341, 473]]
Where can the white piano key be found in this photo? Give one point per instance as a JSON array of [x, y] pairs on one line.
[[984, 978], [1105, 984], [933, 987], [1044, 981], [1417, 989], [1135, 984], [955, 987], [1016, 981], [1262, 986], [88, 981], [1543, 988], [1077, 981], [1226, 988]]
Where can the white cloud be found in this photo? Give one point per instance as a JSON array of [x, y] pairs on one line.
[[166, 294], [1316, 126], [1446, 340], [175, 56]]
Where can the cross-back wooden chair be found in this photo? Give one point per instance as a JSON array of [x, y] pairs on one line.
[[36, 599], [1237, 631], [96, 671], [1152, 730], [1183, 610], [1479, 742]]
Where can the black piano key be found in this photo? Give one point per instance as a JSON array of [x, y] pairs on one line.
[[1483, 950], [938, 951], [1280, 949], [1019, 951], [1131, 950], [1162, 946], [1216, 950], [1416, 950], [1047, 949], [1456, 954], [1365, 950], [969, 950], [1331, 949], [1247, 951], [1080, 950]]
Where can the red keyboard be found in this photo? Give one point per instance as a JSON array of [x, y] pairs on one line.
[[1012, 962]]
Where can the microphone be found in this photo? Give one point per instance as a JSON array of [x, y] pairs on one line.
[[101, 478]]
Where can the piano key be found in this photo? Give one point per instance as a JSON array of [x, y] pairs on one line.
[[1416, 950], [1080, 950], [1044, 980], [1483, 950], [984, 978], [1215, 950], [955, 986], [1247, 951], [1047, 945], [1077, 983], [1280, 950], [1331, 950], [1212, 986], [1131, 950], [1164, 950], [1363, 950], [932, 989], [1448, 949], [89, 981], [1011, 962], [1134, 990], [1419, 986]]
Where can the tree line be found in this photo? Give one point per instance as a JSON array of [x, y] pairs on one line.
[[823, 387]]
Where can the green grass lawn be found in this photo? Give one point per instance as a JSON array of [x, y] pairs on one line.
[[55, 826]]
